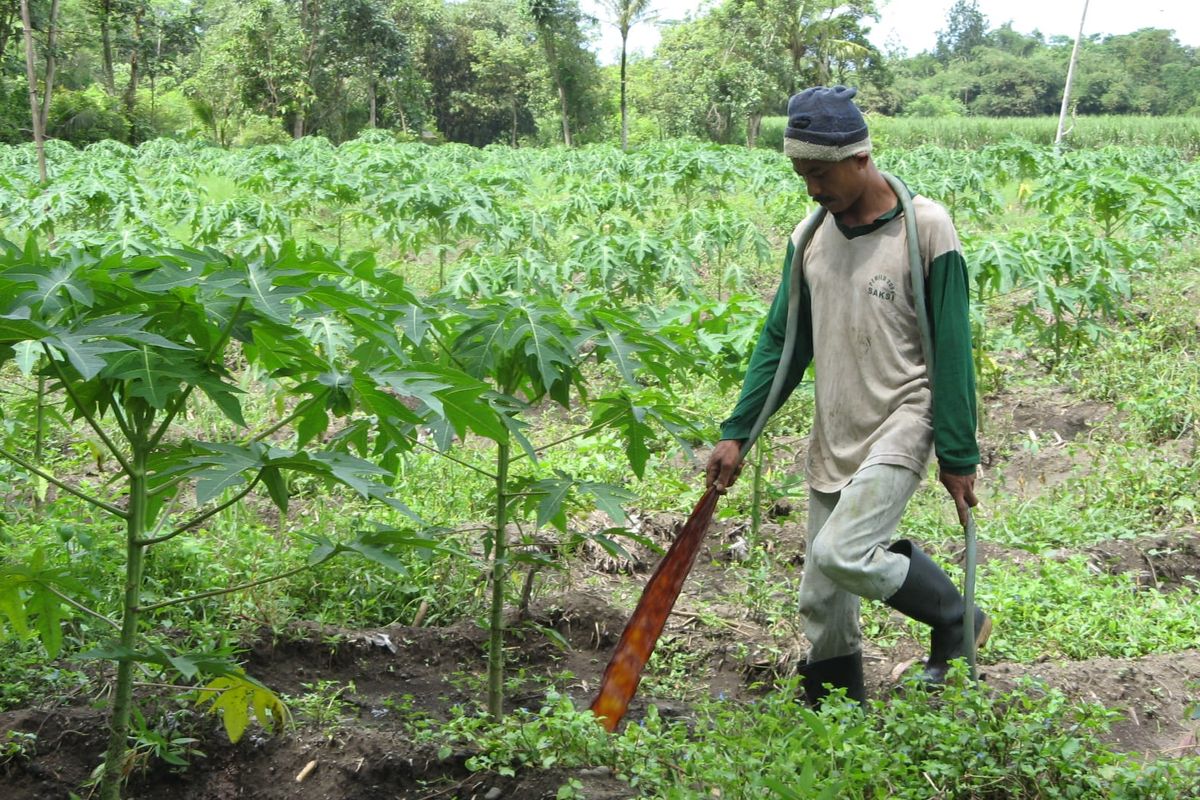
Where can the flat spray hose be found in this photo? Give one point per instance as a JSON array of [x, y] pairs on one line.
[[795, 276], [917, 270]]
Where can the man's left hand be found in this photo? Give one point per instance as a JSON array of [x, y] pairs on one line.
[[962, 489]]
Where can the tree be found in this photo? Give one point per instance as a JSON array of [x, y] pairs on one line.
[[966, 29], [39, 110], [626, 14], [720, 69], [505, 78], [409, 90], [475, 91], [375, 47], [108, 13], [553, 19]]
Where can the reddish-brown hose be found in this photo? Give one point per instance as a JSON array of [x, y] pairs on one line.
[[624, 670]]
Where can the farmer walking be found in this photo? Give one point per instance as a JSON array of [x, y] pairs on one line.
[[879, 414]]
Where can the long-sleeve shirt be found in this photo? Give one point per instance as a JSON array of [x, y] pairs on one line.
[[858, 327]]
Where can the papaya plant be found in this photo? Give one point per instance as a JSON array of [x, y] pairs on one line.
[[129, 347], [520, 351]]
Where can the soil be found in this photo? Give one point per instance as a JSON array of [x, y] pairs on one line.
[[367, 749]]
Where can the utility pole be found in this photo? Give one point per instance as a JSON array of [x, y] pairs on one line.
[[1062, 114]]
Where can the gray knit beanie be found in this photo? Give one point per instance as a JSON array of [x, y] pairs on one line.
[[825, 125]]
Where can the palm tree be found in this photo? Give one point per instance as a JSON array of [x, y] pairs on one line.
[[625, 14]]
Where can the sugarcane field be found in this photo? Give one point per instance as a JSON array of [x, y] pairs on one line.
[[433, 399]]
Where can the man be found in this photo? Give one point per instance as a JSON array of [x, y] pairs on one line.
[[876, 419]]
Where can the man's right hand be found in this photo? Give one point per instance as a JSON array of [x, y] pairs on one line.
[[724, 465]]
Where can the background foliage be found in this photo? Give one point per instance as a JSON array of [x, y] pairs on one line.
[[484, 71]]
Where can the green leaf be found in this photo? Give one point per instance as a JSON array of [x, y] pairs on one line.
[[225, 467], [452, 395], [186, 666], [223, 395], [17, 327], [617, 349], [619, 411], [12, 605], [86, 355], [26, 355], [311, 424], [263, 294], [143, 369], [324, 550], [277, 488], [414, 323], [235, 696], [47, 608], [609, 498], [213, 482], [52, 283], [552, 494]]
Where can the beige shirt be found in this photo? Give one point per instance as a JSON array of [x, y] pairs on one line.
[[873, 400]]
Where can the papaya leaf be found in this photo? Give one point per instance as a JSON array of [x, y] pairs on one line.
[[266, 297], [236, 697], [277, 488], [48, 611], [619, 412], [551, 495], [608, 498], [12, 605], [86, 355]]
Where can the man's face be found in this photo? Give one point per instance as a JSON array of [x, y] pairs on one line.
[[836, 185]]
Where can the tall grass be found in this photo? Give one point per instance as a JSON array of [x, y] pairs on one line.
[[1181, 133]]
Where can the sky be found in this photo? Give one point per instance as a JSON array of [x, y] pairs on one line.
[[913, 24]]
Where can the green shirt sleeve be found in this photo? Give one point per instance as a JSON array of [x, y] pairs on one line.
[[954, 414], [765, 359]]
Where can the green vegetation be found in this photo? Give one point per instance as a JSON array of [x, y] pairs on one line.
[[968, 133], [224, 367], [964, 743], [517, 72]]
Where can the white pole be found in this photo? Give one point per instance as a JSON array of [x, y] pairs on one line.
[[1062, 114]]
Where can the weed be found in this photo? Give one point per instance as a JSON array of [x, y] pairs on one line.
[[323, 705]]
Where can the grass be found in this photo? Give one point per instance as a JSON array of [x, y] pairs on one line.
[[1064, 609], [1182, 133], [970, 743], [1136, 478]]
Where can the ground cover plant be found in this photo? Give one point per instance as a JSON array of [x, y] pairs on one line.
[[510, 362]]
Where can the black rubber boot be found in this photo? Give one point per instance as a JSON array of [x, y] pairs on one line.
[[840, 672], [929, 596]]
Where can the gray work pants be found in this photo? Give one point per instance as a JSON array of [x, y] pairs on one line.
[[847, 556]]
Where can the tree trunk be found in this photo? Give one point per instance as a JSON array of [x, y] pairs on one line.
[[753, 126], [129, 100], [624, 113], [548, 42], [34, 107], [122, 699], [371, 92], [514, 122], [154, 68], [298, 126], [106, 55], [499, 566], [7, 27], [51, 62], [562, 102], [1066, 101]]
